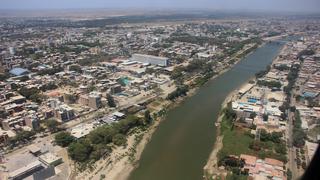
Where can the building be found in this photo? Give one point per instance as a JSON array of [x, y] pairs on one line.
[[154, 60], [44, 173], [18, 71], [35, 150], [263, 169], [12, 50], [50, 159], [82, 130], [33, 122], [4, 137], [64, 113], [115, 89], [93, 100], [15, 122], [26, 171]]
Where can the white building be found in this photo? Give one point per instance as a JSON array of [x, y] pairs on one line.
[[154, 60]]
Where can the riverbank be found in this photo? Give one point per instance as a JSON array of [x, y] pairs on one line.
[[186, 137], [122, 161], [190, 93], [211, 170]]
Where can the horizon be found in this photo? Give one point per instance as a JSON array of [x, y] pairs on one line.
[[291, 6]]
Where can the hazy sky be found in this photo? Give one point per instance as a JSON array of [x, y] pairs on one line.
[[275, 5]]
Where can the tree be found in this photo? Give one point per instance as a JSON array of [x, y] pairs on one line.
[[24, 78], [52, 125], [147, 117], [253, 115], [4, 77], [289, 174], [180, 91], [292, 108], [24, 135], [281, 149], [49, 86], [70, 98], [119, 139], [230, 113], [64, 139], [79, 151], [99, 150], [111, 102], [265, 117], [75, 68], [102, 135], [36, 98], [270, 84]]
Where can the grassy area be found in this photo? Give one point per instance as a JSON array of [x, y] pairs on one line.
[[237, 177], [238, 141], [155, 103], [235, 141]]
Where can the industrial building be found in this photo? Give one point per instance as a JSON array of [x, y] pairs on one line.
[[153, 60]]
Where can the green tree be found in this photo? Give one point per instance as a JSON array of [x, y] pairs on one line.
[[289, 174], [80, 151], [24, 78], [99, 150], [71, 98], [64, 138], [147, 117], [52, 125], [119, 139], [111, 102], [253, 115], [4, 77], [24, 135], [76, 68], [265, 117]]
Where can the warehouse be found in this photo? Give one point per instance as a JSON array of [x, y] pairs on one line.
[[153, 60]]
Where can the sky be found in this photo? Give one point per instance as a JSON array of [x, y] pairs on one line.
[[267, 5]]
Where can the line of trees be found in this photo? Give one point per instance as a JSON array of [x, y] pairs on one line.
[[180, 91], [98, 143], [299, 135], [269, 84], [260, 74], [292, 76], [33, 94]]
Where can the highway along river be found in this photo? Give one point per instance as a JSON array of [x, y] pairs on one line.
[[180, 146]]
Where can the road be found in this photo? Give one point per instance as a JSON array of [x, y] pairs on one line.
[[292, 165]]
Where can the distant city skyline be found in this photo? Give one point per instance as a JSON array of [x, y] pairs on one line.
[[265, 5]]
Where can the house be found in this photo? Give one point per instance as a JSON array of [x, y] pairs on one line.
[[263, 169]]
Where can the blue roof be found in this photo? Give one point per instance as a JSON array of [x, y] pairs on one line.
[[309, 94], [18, 71]]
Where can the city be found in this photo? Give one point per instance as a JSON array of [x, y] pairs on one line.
[[170, 95]]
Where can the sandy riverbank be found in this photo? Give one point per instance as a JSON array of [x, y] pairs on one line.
[[211, 168]]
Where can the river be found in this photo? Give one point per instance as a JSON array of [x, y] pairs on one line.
[[181, 145]]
